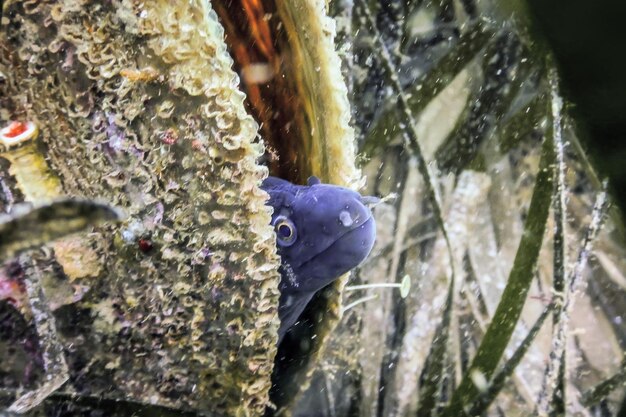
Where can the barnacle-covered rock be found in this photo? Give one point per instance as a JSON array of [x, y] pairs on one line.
[[137, 105]]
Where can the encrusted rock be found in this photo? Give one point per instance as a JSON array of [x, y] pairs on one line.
[[137, 105]]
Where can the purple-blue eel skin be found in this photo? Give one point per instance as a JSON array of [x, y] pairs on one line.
[[322, 232]]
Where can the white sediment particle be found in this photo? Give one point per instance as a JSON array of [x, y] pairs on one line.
[[345, 218], [479, 380]]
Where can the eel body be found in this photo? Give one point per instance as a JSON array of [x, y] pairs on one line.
[[322, 232]]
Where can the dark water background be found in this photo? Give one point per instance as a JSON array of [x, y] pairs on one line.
[[589, 41]]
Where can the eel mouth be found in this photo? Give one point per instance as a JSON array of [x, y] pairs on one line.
[[356, 242], [344, 254], [357, 228]]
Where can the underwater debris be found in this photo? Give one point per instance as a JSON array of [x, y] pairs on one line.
[[18, 132], [56, 371], [404, 286], [24, 230], [30, 227]]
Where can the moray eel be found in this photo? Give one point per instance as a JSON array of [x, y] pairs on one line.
[[322, 232]]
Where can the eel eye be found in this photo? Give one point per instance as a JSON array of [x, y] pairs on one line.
[[285, 231]]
